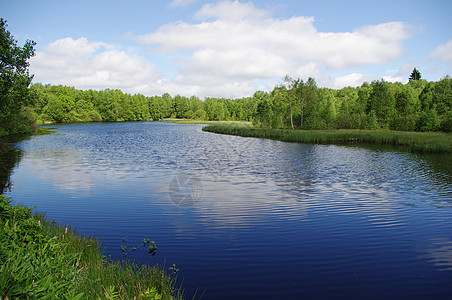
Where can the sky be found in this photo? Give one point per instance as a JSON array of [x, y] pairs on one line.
[[230, 48]]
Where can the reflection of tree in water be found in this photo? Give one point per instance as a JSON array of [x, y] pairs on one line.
[[9, 157]]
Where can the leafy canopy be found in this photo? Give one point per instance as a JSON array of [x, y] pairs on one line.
[[14, 79]]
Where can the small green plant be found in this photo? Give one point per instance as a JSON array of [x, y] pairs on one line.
[[174, 268], [152, 247], [110, 294], [151, 294]]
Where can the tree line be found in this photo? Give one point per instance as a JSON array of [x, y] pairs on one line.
[[418, 105]]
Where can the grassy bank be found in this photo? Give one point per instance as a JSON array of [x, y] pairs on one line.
[[191, 121], [40, 259], [428, 142]]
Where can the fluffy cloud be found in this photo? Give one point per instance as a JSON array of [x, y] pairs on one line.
[[85, 64], [231, 50], [443, 52], [353, 79], [238, 42], [230, 11]]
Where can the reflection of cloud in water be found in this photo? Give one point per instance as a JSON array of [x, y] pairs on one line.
[[299, 179], [64, 169], [377, 203], [229, 204], [69, 170], [439, 253]]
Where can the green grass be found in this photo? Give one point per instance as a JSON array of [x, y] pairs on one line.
[[427, 142], [40, 259]]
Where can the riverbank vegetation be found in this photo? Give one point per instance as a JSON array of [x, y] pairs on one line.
[[40, 259], [431, 142]]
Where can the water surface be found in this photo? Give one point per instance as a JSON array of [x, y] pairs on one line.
[[246, 218]]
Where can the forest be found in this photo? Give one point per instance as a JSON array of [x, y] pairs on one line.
[[418, 105]]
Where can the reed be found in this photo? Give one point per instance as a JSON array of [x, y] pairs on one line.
[[426, 142], [40, 259]]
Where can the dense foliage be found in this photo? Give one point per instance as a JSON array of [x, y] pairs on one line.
[[14, 82], [416, 106]]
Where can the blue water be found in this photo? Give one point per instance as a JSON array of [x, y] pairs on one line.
[[250, 218]]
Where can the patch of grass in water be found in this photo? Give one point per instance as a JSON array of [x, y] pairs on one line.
[[191, 121], [426, 142]]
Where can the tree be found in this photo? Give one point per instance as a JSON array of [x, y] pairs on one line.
[[382, 102], [415, 75], [14, 82], [407, 107], [309, 98], [289, 83]]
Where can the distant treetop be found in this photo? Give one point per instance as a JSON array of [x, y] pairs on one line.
[[415, 75]]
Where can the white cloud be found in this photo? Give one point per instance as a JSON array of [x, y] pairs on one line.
[[230, 11], [231, 50], [443, 52], [237, 42], [393, 78], [75, 48], [85, 64], [353, 79]]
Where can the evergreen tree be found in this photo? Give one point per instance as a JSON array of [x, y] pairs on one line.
[[415, 75]]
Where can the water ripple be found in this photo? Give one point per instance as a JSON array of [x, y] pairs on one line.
[[272, 219]]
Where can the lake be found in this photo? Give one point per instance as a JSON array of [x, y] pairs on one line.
[[250, 218]]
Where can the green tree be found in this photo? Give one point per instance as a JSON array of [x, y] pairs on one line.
[[289, 84], [306, 93], [327, 109], [436, 104], [279, 96], [406, 108], [350, 111], [415, 75], [381, 100], [14, 82], [264, 110]]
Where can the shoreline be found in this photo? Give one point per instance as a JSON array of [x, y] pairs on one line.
[[421, 142], [41, 258]]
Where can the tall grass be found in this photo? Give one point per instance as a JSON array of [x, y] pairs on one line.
[[40, 259], [192, 121], [428, 142]]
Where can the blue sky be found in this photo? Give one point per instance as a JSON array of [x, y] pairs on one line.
[[230, 48]]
